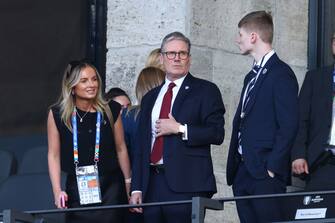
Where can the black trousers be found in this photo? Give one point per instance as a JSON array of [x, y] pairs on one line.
[[159, 191], [112, 191], [322, 178], [257, 210]]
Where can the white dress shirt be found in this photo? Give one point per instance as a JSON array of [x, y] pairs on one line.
[[157, 108]]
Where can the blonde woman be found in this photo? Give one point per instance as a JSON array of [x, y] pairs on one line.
[[85, 140], [149, 78], [153, 59]]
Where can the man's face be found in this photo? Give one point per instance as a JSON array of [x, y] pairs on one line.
[[243, 40], [176, 59]]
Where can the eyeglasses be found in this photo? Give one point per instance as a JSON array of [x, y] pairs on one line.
[[172, 54]]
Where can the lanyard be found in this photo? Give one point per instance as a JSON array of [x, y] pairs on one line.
[[75, 137]]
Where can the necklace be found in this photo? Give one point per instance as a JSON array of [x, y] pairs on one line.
[[81, 117]]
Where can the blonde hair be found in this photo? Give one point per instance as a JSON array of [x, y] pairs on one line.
[[153, 59], [149, 78], [67, 98]]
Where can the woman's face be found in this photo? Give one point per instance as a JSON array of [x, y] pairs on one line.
[[88, 85]]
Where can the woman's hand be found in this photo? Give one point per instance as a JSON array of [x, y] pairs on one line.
[[128, 184], [61, 200]]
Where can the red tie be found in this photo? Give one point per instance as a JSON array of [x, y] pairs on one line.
[[157, 150]]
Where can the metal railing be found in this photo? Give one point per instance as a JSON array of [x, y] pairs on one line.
[[199, 205]]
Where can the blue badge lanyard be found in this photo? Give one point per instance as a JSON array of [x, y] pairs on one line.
[[75, 137]]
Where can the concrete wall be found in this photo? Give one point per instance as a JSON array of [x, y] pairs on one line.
[[135, 27]]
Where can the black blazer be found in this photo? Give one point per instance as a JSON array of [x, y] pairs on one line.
[[270, 123], [188, 164], [315, 110]]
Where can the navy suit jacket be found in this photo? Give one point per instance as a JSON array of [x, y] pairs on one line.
[[270, 123], [130, 125], [187, 163], [315, 109]]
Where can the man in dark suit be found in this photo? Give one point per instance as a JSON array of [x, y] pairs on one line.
[[185, 115], [264, 125], [316, 128]]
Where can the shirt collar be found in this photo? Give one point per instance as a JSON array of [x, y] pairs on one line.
[[178, 82], [266, 58]]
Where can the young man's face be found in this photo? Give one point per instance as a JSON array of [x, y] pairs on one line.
[[243, 40]]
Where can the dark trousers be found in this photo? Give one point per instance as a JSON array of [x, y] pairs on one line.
[[257, 210], [159, 191], [322, 178]]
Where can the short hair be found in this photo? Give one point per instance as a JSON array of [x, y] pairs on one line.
[[176, 36], [259, 21], [115, 92]]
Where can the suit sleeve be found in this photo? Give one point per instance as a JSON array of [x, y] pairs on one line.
[[286, 114], [137, 161], [300, 145], [210, 130]]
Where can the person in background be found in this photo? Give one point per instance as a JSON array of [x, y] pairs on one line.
[[149, 78], [179, 120], [264, 125], [85, 140], [316, 128], [153, 59], [118, 95]]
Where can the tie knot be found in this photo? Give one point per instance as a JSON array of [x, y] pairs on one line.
[[256, 68], [171, 85]]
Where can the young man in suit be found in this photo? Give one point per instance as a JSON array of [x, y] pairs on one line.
[[316, 127], [264, 125], [178, 122]]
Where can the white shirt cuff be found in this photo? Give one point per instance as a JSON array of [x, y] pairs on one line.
[[183, 130], [135, 191]]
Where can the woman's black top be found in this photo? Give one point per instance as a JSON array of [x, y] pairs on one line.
[[108, 161]]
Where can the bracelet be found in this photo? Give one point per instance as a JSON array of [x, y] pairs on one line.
[[127, 180]]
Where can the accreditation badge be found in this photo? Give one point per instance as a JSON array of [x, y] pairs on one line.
[[88, 184]]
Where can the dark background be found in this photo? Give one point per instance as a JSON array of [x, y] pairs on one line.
[[37, 40]]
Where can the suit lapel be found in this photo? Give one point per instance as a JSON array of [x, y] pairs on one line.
[[328, 86], [185, 88], [274, 58], [146, 113], [152, 99]]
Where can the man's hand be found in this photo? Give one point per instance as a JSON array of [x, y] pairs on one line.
[[300, 166], [167, 126], [136, 198]]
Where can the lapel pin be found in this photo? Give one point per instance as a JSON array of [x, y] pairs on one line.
[[264, 71], [187, 87]]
